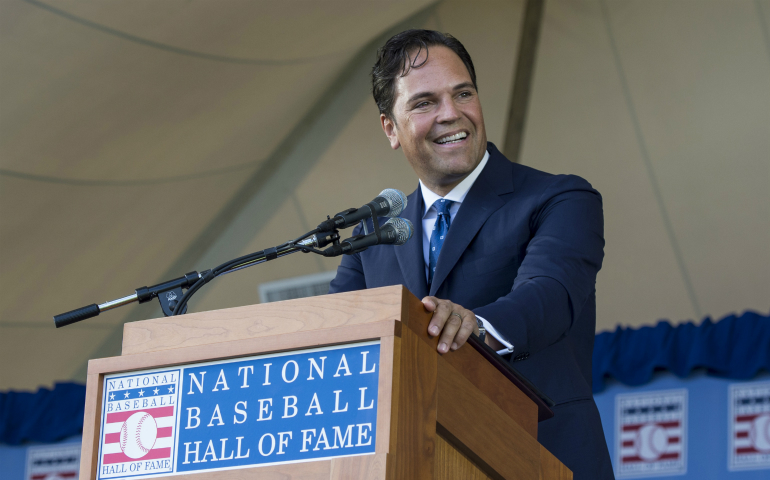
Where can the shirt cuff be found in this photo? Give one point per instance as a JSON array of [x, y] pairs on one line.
[[491, 331]]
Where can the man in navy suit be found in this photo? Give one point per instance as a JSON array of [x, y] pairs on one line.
[[497, 245]]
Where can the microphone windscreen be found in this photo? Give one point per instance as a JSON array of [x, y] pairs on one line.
[[396, 200], [403, 227]]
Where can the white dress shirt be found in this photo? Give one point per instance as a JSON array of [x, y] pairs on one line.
[[457, 195]]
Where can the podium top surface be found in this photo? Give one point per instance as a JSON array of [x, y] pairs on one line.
[[322, 314], [264, 320]]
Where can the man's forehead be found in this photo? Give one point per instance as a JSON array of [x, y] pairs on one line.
[[419, 58]]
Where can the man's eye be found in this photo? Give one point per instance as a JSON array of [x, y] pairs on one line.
[[421, 105], [465, 94]]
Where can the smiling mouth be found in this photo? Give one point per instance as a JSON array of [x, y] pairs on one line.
[[449, 139]]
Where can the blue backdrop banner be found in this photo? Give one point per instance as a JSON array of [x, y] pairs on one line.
[[736, 347], [44, 416], [695, 428]]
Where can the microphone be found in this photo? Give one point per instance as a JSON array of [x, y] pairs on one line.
[[389, 203], [395, 231]]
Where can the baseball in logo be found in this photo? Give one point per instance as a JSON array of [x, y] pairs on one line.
[[651, 433], [138, 435], [139, 421], [749, 426]]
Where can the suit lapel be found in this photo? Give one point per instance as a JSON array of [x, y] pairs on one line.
[[410, 255], [483, 200]]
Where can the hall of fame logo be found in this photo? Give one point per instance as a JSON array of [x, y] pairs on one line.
[[53, 462], [139, 415], [245, 412], [651, 433], [749, 431]]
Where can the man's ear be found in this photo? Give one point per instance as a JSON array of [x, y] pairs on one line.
[[389, 127]]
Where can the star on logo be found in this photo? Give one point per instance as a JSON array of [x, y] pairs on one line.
[[112, 396], [127, 394], [155, 392], [171, 389], [141, 393]]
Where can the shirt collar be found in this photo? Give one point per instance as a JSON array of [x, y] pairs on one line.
[[458, 193]]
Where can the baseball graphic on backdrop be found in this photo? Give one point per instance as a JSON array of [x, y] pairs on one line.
[[652, 441], [760, 433], [138, 434]]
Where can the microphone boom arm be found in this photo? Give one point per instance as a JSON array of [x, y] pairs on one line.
[[173, 301]]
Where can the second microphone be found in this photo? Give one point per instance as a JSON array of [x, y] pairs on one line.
[[395, 231]]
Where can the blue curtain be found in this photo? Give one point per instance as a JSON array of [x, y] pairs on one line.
[[44, 416], [736, 347]]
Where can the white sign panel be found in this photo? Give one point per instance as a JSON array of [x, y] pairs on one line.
[[749, 431], [53, 462], [651, 434]]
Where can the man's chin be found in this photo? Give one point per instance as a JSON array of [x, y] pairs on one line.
[[458, 159], [453, 171]]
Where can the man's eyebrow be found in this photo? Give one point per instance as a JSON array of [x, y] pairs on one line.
[[464, 85], [418, 96]]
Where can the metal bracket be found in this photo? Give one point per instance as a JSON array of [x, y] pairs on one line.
[[169, 299]]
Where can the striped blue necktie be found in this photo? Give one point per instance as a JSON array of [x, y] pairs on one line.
[[440, 229]]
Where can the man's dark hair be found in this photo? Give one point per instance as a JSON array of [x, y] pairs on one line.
[[400, 54]]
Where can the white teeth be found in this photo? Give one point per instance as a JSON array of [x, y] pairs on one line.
[[452, 138]]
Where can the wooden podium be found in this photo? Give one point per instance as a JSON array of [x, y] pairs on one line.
[[456, 416]]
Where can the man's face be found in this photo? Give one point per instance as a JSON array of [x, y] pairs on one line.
[[438, 120]]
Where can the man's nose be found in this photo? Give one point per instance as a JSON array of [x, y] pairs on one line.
[[447, 111]]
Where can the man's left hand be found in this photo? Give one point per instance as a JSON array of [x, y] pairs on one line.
[[450, 320]]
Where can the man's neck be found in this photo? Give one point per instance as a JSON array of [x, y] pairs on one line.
[[459, 190], [443, 190]]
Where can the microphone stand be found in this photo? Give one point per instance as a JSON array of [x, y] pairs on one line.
[[170, 293], [173, 301]]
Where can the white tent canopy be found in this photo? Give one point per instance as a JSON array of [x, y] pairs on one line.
[[140, 140]]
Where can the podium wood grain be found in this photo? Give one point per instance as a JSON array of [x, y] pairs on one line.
[[417, 395], [264, 320], [551, 468], [451, 464], [481, 430]]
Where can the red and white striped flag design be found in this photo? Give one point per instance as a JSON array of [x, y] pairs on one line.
[[750, 426], [652, 441], [52, 462], [752, 434], [151, 439]]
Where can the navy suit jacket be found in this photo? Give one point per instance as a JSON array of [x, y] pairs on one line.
[[523, 252]]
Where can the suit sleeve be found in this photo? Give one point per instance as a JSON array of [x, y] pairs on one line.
[[558, 272]]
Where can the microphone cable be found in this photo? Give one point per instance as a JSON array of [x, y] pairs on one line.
[[249, 260]]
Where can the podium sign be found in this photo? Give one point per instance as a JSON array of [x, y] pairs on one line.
[[260, 410]]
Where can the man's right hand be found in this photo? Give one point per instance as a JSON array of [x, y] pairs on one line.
[[452, 322]]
